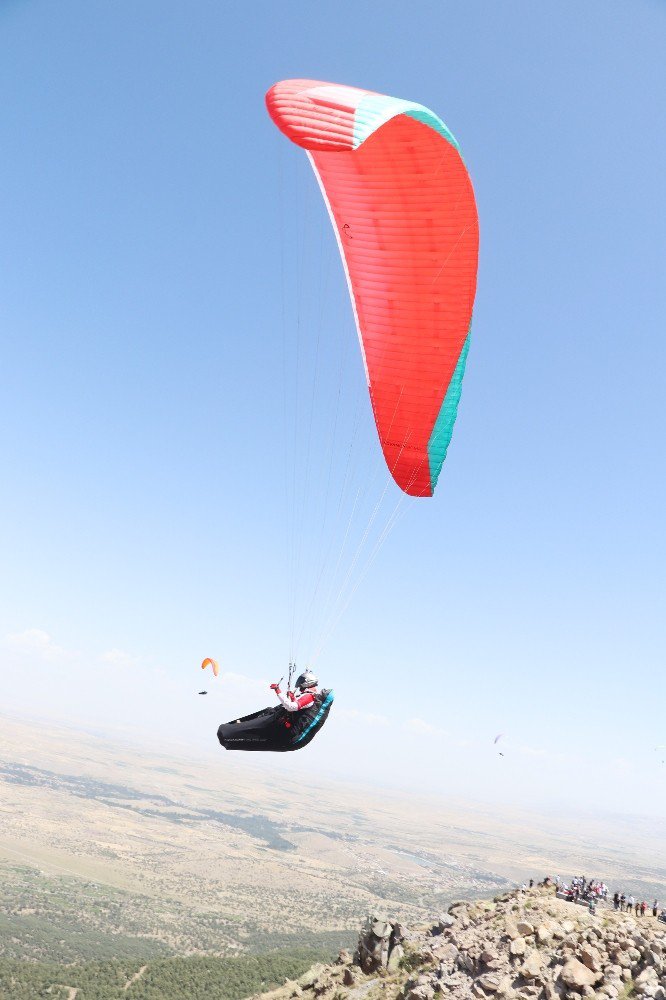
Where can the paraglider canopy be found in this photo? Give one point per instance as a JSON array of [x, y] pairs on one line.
[[403, 210], [208, 662]]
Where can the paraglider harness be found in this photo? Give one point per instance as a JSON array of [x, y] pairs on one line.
[[276, 729]]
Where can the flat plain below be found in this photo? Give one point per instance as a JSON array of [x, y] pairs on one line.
[[109, 849]]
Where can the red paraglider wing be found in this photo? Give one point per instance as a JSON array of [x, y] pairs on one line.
[[403, 209]]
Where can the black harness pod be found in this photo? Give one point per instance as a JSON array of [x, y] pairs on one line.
[[276, 729]]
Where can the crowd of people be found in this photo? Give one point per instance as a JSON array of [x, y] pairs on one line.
[[627, 903], [591, 891]]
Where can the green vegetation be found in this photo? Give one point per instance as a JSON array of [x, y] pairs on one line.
[[56, 919], [161, 979]]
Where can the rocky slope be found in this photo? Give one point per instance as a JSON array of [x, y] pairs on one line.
[[526, 944]]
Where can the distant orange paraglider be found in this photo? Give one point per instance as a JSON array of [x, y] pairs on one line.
[[213, 664]]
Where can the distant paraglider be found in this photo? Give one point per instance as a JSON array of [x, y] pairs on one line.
[[208, 662]]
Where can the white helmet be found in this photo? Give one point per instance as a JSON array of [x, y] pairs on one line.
[[306, 680]]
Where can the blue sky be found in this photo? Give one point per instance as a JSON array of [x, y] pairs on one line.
[[165, 258]]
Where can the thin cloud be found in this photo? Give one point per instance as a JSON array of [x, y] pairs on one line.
[[367, 718], [120, 658], [35, 641], [422, 727]]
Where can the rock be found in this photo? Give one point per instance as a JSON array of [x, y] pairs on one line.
[[518, 947], [525, 929], [511, 930], [544, 934], [590, 957], [646, 982], [532, 967], [467, 963], [489, 983], [381, 929], [349, 977], [443, 922], [488, 957], [451, 981], [309, 978], [344, 957], [568, 926], [575, 975], [421, 993], [396, 955], [448, 959]]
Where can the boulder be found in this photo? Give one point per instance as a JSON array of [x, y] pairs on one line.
[[518, 947], [532, 967], [349, 977], [381, 929], [575, 975], [309, 978], [543, 934], [424, 992], [646, 982], [489, 983], [525, 929], [466, 963], [396, 955], [448, 959], [590, 957]]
